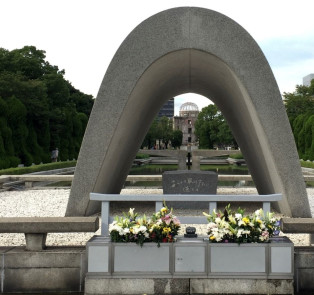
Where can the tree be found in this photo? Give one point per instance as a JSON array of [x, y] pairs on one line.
[[299, 102], [39, 109], [309, 138], [83, 102], [151, 136], [29, 61], [176, 139], [300, 109], [164, 131], [212, 129]]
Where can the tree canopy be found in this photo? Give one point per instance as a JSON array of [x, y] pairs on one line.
[[212, 129], [39, 109], [162, 131], [300, 110]]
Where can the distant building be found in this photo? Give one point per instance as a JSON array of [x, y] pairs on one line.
[[186, 121], [307, 79], [167, 110]]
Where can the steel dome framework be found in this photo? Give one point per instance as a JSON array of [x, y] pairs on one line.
[[189, 107]]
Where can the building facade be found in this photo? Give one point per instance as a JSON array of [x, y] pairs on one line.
[[167, 110], [307, 79], [186, 122]]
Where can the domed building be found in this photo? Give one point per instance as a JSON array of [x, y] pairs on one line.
[[186, 121], [188, 109]]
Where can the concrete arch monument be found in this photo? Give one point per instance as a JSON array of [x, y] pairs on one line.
[[182, 50]]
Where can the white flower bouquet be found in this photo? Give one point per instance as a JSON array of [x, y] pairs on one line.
[[236, 227], [162, 227]]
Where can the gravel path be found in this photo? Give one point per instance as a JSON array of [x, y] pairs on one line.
[[53, 202]]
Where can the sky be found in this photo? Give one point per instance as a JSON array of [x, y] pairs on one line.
[[82, 36]]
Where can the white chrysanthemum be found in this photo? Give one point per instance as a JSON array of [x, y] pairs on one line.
[[241, 222], [211, 225], [239, 233], [218, 236], [238, 216], [115, 227], [126, 231], [139, 229], [259, 212], [143, 229], [215, 229], [226, 231], [136, 230]]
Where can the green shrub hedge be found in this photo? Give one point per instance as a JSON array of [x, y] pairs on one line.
[[236, 156], [37, 168], [142, 156], [307, 164]]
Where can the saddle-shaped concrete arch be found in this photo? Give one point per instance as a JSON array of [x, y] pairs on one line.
[[184, 50]]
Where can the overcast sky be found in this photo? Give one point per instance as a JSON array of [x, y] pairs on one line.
[[81, 36]]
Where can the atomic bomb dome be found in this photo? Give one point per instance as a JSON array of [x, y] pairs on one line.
[[185, 122], [187, 109], [189, 106]]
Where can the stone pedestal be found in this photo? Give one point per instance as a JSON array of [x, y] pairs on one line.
[[35, 242], [189, 266]]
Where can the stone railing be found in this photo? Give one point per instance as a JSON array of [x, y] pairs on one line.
[[297, 225], [36, 228]]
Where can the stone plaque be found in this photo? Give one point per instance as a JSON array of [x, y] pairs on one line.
[[189, 182]]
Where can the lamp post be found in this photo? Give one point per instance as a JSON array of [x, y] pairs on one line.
[[189, 157]]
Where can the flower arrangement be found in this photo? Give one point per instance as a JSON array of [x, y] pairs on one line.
[[229, 226], [162, 227]]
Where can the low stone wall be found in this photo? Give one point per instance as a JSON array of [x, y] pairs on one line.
[[57, 269], [304, 269]]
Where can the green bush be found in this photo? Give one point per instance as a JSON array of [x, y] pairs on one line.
[[236, 156], [307, 164], [37, 168], [142, 156]]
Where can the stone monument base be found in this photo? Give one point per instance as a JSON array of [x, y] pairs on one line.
[[189, 266], [104, 286]]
